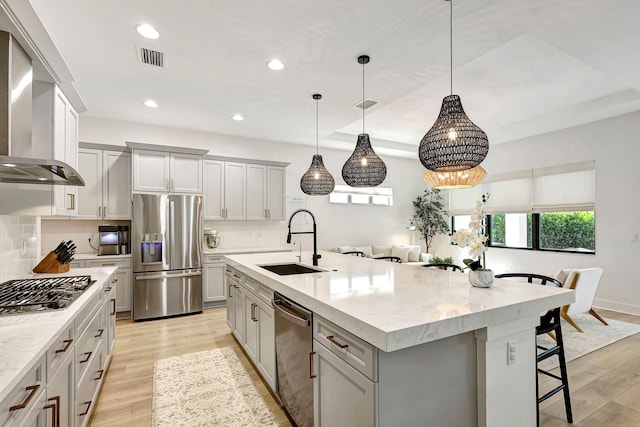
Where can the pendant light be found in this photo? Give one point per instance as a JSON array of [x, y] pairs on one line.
[[454, 180], [364, 168], [454, 142], [317, 181]]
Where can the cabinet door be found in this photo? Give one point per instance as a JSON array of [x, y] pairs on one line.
[[239, 313], [251, 326], [123, 289], [150, 171], [64, 196], [256, 192], [186, 173], [109, 320], [213, 190], [60, 394], [338, 389], [90, 196], [235, 175], [231, 305], [213, 276], [71, 153], [266, 343], [116, 185], [276, 193]]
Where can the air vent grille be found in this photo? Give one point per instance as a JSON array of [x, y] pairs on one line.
[[152, 57], [366, 103]]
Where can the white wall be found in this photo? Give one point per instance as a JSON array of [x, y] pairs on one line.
[[18, 245], [614, 145], [337, 224]]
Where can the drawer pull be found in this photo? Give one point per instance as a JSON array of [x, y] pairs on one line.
[[100, 332], [67, 344], [113, 306], [108, 264], [55, 414], [114, 280], [86, 411], [100, 372], [87, 358], [108, 289], [336, 343], [32, 389], [311, 374]]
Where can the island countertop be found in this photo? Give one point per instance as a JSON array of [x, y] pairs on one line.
[[395, 306]]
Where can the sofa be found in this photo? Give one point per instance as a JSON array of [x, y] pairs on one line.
[[408, 254]]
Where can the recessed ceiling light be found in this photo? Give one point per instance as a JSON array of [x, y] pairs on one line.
[[42, 179], [10, 165], [151, 103], [275, 65], [146, 30], [237, 117]]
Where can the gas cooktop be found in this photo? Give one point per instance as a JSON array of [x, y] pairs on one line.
[[40, 294]]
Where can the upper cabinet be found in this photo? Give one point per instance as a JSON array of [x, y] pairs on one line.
[[167, 172], [107, 176], [236, 190], [57, 122]]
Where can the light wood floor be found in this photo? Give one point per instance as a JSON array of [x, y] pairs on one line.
[[605, 384]]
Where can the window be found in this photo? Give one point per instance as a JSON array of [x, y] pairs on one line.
[[511, 230], [362, 196]]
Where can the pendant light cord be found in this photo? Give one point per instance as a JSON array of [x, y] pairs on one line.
[[317, 126], [451, 44], [363, 97]]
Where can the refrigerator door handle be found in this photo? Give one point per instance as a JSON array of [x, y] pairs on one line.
[[167, 276]]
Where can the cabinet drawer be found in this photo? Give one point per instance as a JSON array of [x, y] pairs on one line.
[[89, 343], [213, 259], [59, 350], [251, 285], [77, 264], [119, 262], [353, 350], [265, 294], [86, 391], [24, 396], [234, 275], [87, 313]]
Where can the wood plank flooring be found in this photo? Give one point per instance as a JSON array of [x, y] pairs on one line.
[[605, 384]]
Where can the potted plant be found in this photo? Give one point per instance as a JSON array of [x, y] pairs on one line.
[[430, 217], [475, 238]]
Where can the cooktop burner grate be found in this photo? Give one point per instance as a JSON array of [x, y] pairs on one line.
[[41, 294]]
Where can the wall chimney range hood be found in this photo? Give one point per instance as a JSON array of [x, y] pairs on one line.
[[18, 160]]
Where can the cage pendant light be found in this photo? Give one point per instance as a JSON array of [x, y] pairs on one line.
[[364, 168], [454, 142], [317, 181]]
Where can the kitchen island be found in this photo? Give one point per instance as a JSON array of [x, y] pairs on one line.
[[441, 345]]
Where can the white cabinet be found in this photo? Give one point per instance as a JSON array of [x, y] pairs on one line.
[[225, 190], [162, 172], [265, 192], [213, 273], [123, 276], [60, 399], [266, 343], [251, 326], [235, 303], [107, 175], [57, 122]]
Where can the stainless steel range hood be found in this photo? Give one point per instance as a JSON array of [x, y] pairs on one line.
[[19, 162]]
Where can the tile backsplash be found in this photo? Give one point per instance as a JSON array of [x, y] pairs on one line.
[[18, 245]]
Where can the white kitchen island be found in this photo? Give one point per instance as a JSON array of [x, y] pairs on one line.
[[441, 345]]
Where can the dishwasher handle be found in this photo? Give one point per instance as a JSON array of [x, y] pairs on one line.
[[300, 321]]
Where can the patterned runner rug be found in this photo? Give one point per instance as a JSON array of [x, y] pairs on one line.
[[208, 388], [595, 336]]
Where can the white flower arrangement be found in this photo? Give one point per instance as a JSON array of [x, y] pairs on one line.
[[474, 237]]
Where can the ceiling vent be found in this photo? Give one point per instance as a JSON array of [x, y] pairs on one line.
[[366, 103], [151, 57]]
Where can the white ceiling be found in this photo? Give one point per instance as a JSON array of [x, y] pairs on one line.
[[521, 67]]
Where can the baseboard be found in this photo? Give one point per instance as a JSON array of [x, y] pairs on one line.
[[616, 306]]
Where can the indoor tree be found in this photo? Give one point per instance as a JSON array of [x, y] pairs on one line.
[[430, 217]]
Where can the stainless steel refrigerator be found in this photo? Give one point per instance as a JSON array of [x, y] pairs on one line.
[[166, 236]]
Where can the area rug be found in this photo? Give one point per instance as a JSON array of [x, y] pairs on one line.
[[208, 388], [595, 336]]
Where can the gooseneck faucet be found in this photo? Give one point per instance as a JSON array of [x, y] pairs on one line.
[[315, 244]]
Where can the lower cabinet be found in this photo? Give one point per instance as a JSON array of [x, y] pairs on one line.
[[213, 274], [124, 274], [60, 399]]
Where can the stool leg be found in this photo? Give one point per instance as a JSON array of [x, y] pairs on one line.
[[563, 375]]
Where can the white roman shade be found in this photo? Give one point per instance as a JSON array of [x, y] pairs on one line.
[[510, 193], [461, 200]]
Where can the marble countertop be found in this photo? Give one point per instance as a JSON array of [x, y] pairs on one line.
[[24, 338], [395, 306], [78, 257], [224, 251]]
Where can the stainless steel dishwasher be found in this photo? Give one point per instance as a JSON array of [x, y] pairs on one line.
[[294, 343]]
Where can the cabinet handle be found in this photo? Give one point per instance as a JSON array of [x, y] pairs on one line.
[[55, 414], [166, 185], [108, 264], [229, 291], [104, 212], [236, 286], [222, 212], [107, 289], [86, 411], [87, 358], [226, 213], [336, 343], [99, 211], [268, 213], [311, 374], [70, 208], [67, 344], [32, 389], [113, 306], [253, 312], [172, 186], [100, 332], [100, 372], [114, 280]]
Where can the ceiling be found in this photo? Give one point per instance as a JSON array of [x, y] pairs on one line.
[[521, 68]]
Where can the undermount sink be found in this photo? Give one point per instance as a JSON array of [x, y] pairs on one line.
[[288, 269]]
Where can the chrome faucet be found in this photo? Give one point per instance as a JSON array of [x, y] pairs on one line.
[[300, 248], [315, 244]]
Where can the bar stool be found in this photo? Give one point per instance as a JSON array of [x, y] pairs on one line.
[[549, 324]]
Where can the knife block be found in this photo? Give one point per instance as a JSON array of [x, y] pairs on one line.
[[50, 264]]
